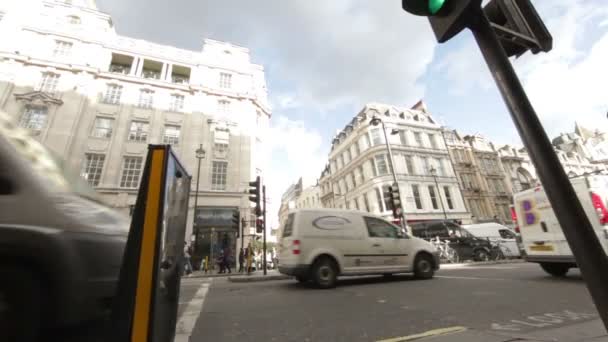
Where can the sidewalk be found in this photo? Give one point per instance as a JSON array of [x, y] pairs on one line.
[[258, 276], [590, 331]]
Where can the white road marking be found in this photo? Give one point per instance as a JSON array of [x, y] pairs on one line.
[[543, 320], [473, 278], [188, 318], [430, 333]]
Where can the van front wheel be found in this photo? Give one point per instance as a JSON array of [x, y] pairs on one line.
[[325, 273], [555, 269], [423, 267]]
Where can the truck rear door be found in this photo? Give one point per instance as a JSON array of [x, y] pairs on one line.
[[540, 232]]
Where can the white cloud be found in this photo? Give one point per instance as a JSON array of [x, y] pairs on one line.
[[564, 85], [295, 151], [330, 53]]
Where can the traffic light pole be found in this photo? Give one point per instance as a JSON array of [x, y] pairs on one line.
[[589, 254], [396, 184], [264, 213]]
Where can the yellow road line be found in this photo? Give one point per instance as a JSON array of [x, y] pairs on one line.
[[430, 333], [143, 296]]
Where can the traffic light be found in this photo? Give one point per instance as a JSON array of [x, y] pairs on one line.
[[447, 17], [236, 218], [394, 200], [255, 197], [518, 26], [259, 226]]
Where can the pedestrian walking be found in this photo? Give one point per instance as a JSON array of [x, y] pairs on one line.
[[227, 263], [241, 260], [220, 262]]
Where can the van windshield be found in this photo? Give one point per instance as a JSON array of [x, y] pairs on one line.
[[52, 170]]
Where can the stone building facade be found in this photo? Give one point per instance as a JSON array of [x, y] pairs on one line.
[[97, 99], [358, 173]]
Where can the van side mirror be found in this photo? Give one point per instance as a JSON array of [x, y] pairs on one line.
[[7, 186]]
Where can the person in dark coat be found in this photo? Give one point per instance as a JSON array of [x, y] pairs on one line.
[[241, 260]]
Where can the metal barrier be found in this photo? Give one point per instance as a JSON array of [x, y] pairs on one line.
[[147, 298]]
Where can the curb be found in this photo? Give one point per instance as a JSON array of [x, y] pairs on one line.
[[495, 262], [248, 279]]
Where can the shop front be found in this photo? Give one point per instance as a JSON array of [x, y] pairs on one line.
[[215, 236]]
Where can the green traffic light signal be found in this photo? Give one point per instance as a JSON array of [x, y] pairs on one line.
[[423, 7]]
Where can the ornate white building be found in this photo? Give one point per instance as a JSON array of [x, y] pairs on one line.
[[97, 99], [358, 172]]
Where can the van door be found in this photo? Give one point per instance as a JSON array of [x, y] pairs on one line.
[[508, 244], [539, 229], [386, 252]]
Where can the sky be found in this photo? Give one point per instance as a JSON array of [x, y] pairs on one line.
[[324, 60]]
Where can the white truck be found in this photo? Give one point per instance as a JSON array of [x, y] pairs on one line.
[[542, 237]]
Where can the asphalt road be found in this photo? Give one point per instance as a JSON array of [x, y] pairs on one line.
[[510, 298], [506, 299]]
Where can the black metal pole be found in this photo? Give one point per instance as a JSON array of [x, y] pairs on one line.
[[194, 226], [264, 213], [445, 215], [589, 254], [243, 222]]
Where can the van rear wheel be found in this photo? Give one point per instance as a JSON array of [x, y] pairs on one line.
[[325, 273], [555, 269]]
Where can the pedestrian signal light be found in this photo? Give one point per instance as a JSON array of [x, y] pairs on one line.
[[424, 7], [255, 197]]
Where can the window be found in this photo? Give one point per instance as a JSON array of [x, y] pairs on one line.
[[376, 138], [48, 83], [34, 118], [177, 103], [427, 165], [221, 148], [171, 135], [146, 98], [74, 20], [355, 149], [380, 160], [223, 106], [102, 127], [433, 197], [366, 202], [92, 167], [409, 163], [353, 180], [379, 200], [218, 176], [380, 229], [131, 171], [288, 229], [439, 166], [418, 138], [139, 131], [448, 197], [416, 193], [368, 142], [506, 234], [225, 80], [433, 140], [347, 157], [374, 170], [403, 137], [113, 93], [62, 48], [361, 175], [388, 204]]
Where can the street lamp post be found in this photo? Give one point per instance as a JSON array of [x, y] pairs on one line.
[[434, 174], [200, 154], [374, 121]]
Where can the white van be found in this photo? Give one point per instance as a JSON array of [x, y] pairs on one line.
[[322, 244], [542, 237], [496, 233]]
